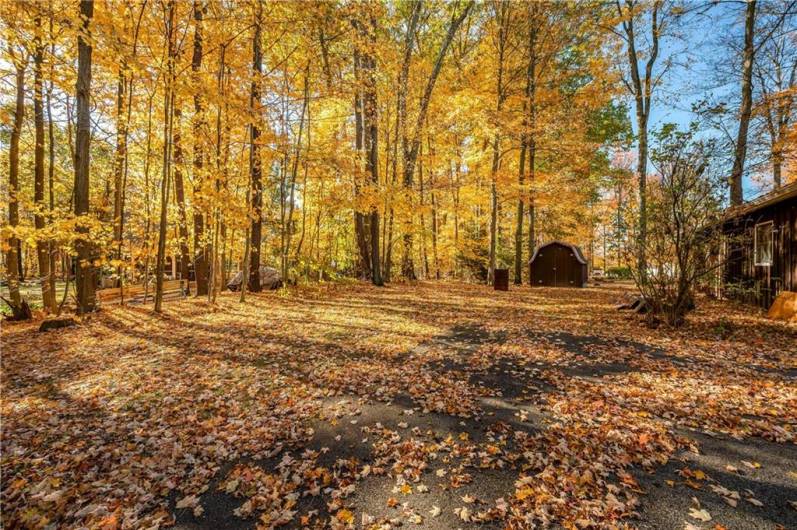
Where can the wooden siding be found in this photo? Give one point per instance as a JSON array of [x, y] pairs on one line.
[[760, 284]]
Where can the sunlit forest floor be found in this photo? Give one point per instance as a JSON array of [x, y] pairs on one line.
[[436, 405]]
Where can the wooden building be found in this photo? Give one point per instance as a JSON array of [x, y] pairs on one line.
[[558, 264], [760, 247]]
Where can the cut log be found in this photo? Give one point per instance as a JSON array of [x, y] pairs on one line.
[[625, 302], [56, 323], [637, 305]]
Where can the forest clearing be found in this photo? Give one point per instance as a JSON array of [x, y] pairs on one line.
[[437, 406], [506, 264]]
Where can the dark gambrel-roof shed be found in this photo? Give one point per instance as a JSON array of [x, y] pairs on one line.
[[558, 264]]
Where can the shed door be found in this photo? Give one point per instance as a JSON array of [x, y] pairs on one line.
[[563, 266]]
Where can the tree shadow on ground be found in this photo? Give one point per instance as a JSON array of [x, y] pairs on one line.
[[345, 433], [507, 391], [342, 432], [670, 497]]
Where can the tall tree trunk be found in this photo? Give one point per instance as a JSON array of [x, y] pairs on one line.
[[217, 222], [12, 254], [385, 203], [520, 218], [294, 171], [245, 259], [641, 88], [147, 198], [532, 155], [493, 209], [424, 257], [85, 275], [527, 149], [305, 163], [305, 201], [179, 192], [360, 220], [740, 153], [407, 265], [412, 145], [619, 223], [532, 158], [642, 168], [502, 13], [371, 116], [121, 196], [456, 191], [283, 186], [394, 180], [51, 151], [42, 246], [69, 126], [433, 200], [201, 251], [120, 156], [256, 185], [20, 261], [168, 102]]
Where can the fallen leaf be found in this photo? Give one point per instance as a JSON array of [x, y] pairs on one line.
[[345, 516], [187, 502], [700, 514]]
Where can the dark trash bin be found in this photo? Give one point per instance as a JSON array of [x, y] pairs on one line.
[[501, 280]]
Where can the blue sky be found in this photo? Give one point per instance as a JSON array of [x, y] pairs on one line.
[[697, 52]]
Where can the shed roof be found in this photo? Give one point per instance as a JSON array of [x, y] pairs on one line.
[[576, 250], [768, 199]]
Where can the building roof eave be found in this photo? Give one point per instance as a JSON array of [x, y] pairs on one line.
[[576, 250], [768, 199]]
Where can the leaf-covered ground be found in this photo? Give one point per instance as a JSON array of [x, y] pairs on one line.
[[430, 406]]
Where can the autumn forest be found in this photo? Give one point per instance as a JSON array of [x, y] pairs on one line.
[[325, 140], [485, 251]]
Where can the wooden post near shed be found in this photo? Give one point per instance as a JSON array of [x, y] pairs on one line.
[[501, 280]]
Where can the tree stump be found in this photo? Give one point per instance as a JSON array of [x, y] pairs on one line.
[[21, 312]]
